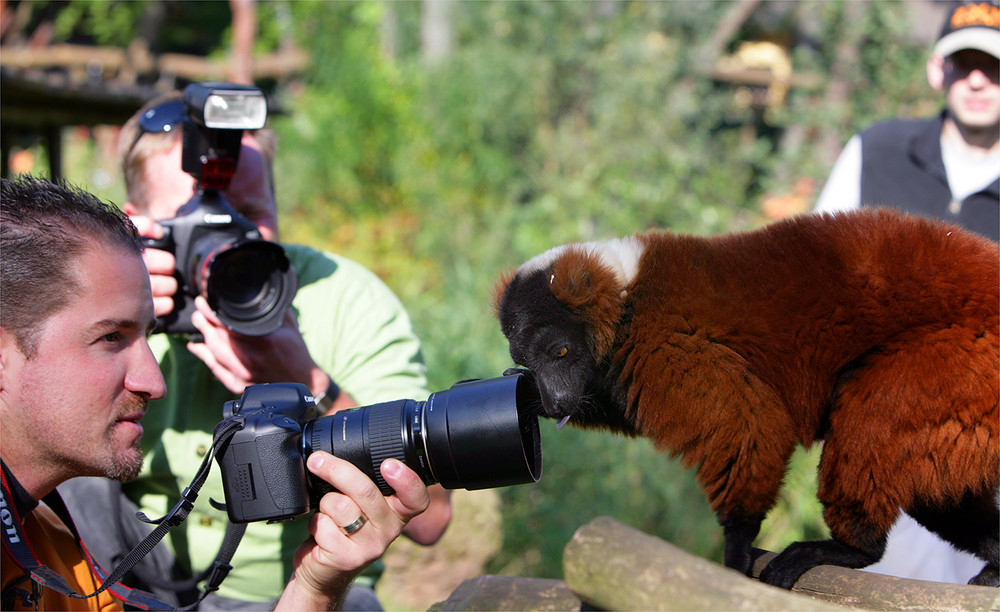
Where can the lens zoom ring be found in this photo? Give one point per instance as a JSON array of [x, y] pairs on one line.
[[385, 440], [316, 438]]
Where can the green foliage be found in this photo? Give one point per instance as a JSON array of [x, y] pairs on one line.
[[108, 22], [349, 114], [194, 27]]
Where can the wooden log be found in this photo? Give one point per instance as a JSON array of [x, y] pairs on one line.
[[878, 592], [270, 65], [612, 566], [62, 55], [510, 593], [615, 567], [112, 60]]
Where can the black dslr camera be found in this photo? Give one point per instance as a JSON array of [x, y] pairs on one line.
[[477, 435], [248, 281]]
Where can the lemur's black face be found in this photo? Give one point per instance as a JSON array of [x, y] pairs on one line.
[[549, 340]]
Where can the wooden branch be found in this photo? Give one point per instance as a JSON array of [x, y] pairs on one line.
[[615, 567], [112, 60], [63, 55], [735, 17], [612, 566], [762, 77], [193, 67]]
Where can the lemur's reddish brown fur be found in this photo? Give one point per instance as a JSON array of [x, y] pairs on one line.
[[875, 332]]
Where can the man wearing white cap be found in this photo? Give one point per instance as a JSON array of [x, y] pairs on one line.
[[945, 167], [948, 166]]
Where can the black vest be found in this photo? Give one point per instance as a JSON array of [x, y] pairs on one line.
[[901, 167]]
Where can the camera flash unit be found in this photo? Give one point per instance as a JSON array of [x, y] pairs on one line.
[[228, 106]]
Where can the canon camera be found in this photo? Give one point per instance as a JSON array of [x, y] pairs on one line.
[[477, 435], [248, 281]]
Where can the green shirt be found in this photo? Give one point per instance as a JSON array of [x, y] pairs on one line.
[[356, 330]]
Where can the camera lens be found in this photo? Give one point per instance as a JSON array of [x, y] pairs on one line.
[[243, 279], [477, 435], [249, 284]]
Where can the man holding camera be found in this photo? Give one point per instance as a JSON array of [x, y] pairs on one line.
[[77, 376], [346, 338]]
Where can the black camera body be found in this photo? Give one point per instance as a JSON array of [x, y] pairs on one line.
[[478, 434], [263, 473], [248, 281]]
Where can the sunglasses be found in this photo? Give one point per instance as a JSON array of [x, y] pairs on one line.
[[160, 119]]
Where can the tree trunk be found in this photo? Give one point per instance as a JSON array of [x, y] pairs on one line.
[[435, 30]]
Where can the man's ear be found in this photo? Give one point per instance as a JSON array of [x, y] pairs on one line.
[[935, 72], [130, 209]]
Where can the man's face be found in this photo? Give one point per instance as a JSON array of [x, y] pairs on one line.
[[972, 80], [74, 406], [169, 187]]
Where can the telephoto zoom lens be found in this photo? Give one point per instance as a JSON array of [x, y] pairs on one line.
[[477, 435]]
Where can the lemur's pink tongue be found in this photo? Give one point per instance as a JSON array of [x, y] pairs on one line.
[[562, 421]]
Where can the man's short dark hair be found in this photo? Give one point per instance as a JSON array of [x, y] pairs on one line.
[[44, 227]]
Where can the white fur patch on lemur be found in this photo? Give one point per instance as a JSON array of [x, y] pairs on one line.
[[622, 255]]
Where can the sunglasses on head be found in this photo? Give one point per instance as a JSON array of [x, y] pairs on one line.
[[160, 119]]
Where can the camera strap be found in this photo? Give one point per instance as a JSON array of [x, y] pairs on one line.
[[17, 546], [234, 533]]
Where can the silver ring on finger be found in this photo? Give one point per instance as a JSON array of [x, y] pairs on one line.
[[355, 525]]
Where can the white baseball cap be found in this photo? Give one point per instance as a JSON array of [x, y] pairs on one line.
[[972, 25]]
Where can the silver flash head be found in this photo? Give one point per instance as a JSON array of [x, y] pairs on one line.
[[226, 106]]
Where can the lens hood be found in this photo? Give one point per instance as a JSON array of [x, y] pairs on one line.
[[477, 435], [250, 284], [484, 433]]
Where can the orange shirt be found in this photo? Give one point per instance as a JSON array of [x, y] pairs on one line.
[[54, 545]]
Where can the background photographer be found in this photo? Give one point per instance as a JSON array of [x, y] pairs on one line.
[[347, 338], [76, 377]]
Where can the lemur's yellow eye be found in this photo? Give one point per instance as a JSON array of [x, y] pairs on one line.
[[561, 352]]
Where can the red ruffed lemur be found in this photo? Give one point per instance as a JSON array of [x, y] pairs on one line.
[[874, 332]]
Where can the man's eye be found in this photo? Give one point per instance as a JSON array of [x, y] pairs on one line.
[[112, 337]]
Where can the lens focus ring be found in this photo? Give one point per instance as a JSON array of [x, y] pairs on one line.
[[385, 440]]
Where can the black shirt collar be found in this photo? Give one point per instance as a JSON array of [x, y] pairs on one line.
[[23, 502]]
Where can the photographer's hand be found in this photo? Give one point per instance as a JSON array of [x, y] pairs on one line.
[[325, 564], [160, 265], [239, 361]]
